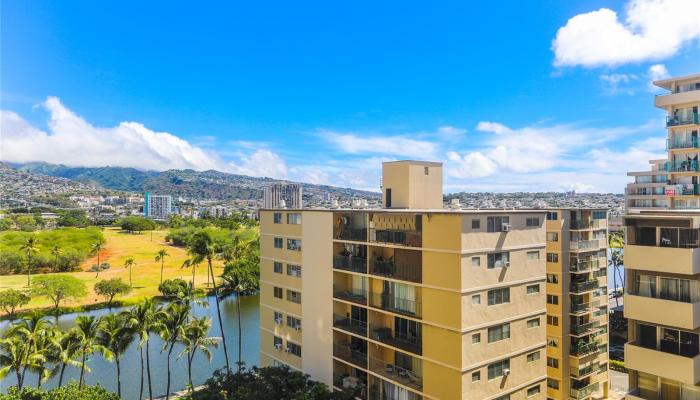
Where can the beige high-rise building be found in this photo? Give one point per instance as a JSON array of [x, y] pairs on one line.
[[410, 301], [662, 262], [577, 304]]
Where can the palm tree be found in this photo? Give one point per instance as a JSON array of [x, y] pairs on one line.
[[97, 247], [116, 335], [87, 329], [160, 256], [616, 260], [173, 320], [29, 247], [193, 262], [46, 351], [195, 338], [128, 263], [239, 280], [14, 354], [70, 346], [56, 252], [30, 330], [143, 321]]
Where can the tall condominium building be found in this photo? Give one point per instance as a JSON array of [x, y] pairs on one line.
[[157, 206], [648, 191], [577, 304], [282, 195], [662, 264], [410, 301]]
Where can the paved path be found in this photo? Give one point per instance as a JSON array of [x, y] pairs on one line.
[[619, 384]]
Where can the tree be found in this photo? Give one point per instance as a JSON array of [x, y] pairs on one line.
[[96, 248], [87, 329], [616, 261], [116, 335], [29, 330], [134, 223], [193, 262], [143, 320], [129, 263], [14, 354], [173, 287], [29, 247], [109, 288], [56, 252], [59, 288], [46, 350], [160, 256], [172, 323], [195, 339], [70, 346], [69, 392], [12, 299], [239, 280]]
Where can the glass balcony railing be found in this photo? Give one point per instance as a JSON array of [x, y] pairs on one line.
[[396, 304], [583, 348], [582, 287], [396, 373], [581, 391], [583, 266], [681, 166], [351, 294], [585, 371], [404, 238], [675, 120], [584, 328], [403, 271], [350, 263], [585, 244], [349, 354], [686, 189], [348, 324], [354, 234], [580, 224], [404, 341], [580, 308], [689, 143]]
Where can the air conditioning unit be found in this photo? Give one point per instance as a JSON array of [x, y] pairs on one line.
[[506, 264], [506, 372], [278, 346], [506, 227], [288, 350]]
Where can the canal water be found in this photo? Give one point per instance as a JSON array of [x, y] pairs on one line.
[[104, 372]]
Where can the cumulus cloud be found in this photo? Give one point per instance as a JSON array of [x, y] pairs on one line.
[[650, 30], [617, 83], [262, 162], [657, 72], [471, 165], [397, 145]]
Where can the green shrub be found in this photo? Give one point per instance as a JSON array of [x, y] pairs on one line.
[[173, 287], [68, 392], [617, 365]]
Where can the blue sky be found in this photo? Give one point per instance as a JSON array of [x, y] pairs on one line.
[[514, 96]]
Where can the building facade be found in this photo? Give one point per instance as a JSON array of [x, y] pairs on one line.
[[577, 304], [282, 195], [157, 207], [410, 301]]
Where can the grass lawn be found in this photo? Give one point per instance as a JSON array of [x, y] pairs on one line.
[[146, 272]]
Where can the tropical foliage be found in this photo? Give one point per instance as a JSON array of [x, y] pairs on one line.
[[58, 288]]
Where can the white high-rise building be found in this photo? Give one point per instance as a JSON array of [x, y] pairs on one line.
[[157, 206], [283, 195]]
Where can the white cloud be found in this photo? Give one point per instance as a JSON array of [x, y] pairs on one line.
[[617, 83], [493, 127], [657, 72], [398, 145], [650, 30], [262, 162], [451, 133], [471, 165]]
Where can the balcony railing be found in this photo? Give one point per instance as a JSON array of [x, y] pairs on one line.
[[583, 348], [583, 266], [675, 120], [350, 263], [582, 287], [354, 234], [396, 304], [348, 324], [583, 391], [584, 244], [401, 271], [353, 295], [396, 373], [681, 166], [404, 238], [579, 308], [580, 329], [346, 353], [691, 143], [351, 383], [580, 224], [411, 343], [585, 371]]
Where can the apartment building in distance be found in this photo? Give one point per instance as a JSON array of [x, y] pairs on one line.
[[282, 195], [410, 301], [158, 207], [648, 191], [577, 304], [662, 263]]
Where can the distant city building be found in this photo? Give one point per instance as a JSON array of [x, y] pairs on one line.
[[281, 195], [157, 206]]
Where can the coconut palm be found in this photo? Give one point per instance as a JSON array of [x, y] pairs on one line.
[[56, 252], [193, 262], [47, 351], [87, 328], [160, 256], [96, 248], [616, 261], [143, 321], [14, 355], [116, 335], [239, 280], [70, 346], [29, 247], [195, 339], [129, 263], [30, 329], [173, 320]]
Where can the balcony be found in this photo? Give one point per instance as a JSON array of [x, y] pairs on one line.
[[677, 120], [584, 308], [584, 287], [582, 391], [650, 309], [690, 143], [348, 324], [585, 245], [399, 340], [583, 224], [350, 355], [585, 348], [396, 305], [665, 365], [353, 234], [403, 271], [354, 384], [681, 166], [673, 260], [687, 189], [577, 266], [350, 263], [352, 295], [396, 373], [681, 97], [588, 370], [585, 328], [397, 237]]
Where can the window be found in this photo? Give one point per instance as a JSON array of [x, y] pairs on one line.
[[552, 216], [497, 260], [533, 390], [277, 218], [553, 383], [552, 320], [532, 289], [552, 237], [552, 299], [495, 224], [278, 292], [476, 338], [277, 266], [504, 397], [599, 215], [552, 362], [498, 333], [552, 342], [277, 342], [294, 244], [533, 255], [476, 224], [294, 297], [294, 270], [278, 242], [552, 257], [679, 342], [426, 170], [278, 318], [552, 278], [476, 299], [532, 221], [533, 323], [294, 218], [294, 323], [533, 356], [476, 376], [294, 348], [476, 261], [496, 369], [499, 296], [646, 336]]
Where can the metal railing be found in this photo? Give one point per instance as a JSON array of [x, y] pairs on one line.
[[681, 166], [583, 391], [580, 224], [578, 308], [583, 266], [351, 294], [675, 120], [347, 353], [580, 329], [592, 244], [396, 304], [405, 238], [413, 344], [354, 234], [587, 370], [349, 324], [582, 287], [352, 384], [691, 143], [582, 348], [396, 373], [350, 263], [390, 269]]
